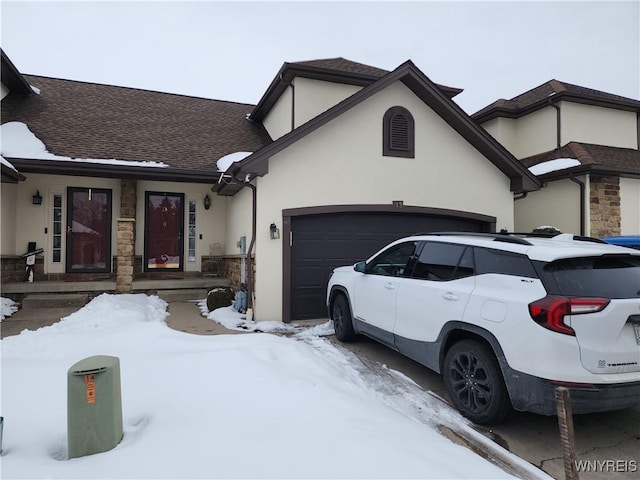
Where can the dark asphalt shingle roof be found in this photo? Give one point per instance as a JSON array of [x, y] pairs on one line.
[[344, 65], [551, 90], [622, 159], [87, 120]]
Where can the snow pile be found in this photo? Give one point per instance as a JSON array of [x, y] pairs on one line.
[[225, 162], [554, 165], [223, 406], [232, 320], [7, 308]]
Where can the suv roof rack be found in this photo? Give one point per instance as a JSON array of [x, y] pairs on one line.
[[498, 237], [516, 237], [558, 236]]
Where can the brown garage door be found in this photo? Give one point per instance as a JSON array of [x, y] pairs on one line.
[[325, 241]]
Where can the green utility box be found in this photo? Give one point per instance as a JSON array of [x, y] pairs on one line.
[[94, 406]]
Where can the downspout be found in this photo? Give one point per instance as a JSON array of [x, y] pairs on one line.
[[558, 123], [582, 203], [253, 188]]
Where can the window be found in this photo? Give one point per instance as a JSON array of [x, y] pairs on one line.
[[608, 276], [398, 133], [506, 263], [192, 231], [393, 261], [56, 252], [442, 261]]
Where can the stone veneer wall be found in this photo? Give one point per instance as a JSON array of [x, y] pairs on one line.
[[604, 202], [233, 270], [126, 235]]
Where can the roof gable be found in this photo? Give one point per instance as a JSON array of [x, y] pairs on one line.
[[553, 91], [337, 70], [430, 94]]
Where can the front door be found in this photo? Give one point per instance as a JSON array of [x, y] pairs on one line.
[[88, 230], [164, 240]]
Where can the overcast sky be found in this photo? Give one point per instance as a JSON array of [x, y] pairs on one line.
[[233, 50]]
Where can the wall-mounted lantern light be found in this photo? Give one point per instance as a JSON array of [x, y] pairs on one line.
[[37, 198], [274, 231], [206, 202]]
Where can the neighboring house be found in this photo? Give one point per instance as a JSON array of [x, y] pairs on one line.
[[584, 146], [339, 158]]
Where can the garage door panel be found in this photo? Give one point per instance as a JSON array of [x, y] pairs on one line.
[[323, 242]]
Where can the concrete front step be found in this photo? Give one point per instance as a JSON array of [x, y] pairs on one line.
[[183, 295], [55, 300]]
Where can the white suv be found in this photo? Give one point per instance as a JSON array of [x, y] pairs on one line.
[[505, 319]]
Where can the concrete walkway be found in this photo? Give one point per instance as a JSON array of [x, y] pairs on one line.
[[183, 316], [186, 317]]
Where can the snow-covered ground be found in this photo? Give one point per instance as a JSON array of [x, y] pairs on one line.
[[225, 406]]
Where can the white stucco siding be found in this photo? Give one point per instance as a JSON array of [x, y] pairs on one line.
[[278, 120], [630, 206], [8, 221], [598, 125], [24, 222], [527, 135], [313, 97], [31, 220], [210, 224], [239, 218], [342, 163], [536, 133], [557, 205], [307, 99], [504, 131]]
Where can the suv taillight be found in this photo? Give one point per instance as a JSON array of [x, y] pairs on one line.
[[551, 310]]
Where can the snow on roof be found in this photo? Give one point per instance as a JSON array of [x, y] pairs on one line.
[[554, 165], [20, 142], [225, 162]]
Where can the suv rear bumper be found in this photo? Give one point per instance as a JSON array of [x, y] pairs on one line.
[[537, 395]]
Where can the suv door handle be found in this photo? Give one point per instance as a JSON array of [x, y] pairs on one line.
[[389, 286], [450, 296]]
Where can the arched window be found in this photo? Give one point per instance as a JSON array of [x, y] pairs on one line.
[[398, 133]]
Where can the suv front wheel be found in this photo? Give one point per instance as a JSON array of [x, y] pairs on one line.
[[474, 382], [341, 316]]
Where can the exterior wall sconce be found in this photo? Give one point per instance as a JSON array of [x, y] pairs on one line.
[[274, 231], [206, 202], [37, 198]]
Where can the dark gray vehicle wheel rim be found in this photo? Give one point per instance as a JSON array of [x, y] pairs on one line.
[[338, 315], [470, 382]]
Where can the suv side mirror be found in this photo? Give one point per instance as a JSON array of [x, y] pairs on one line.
[[360, 267]]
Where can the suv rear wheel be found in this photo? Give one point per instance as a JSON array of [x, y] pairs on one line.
[[474, 382], [342, 321]]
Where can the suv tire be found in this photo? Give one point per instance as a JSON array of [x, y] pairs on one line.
[[475, 383], [341, 316]]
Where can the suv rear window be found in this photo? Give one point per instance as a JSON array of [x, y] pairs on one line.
[[506, 263], [606, 276]]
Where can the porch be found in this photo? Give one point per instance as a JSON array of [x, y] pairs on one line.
[[176, 289]]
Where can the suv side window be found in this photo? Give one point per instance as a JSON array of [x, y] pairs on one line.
[[393, 261], [507, 263], [443, 261]]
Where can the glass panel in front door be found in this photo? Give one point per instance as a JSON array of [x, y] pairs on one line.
[[164, 231], [88, 230]]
